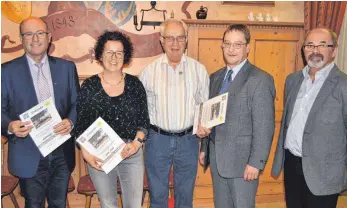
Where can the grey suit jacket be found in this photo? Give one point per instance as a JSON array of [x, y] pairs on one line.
[[246, 136], [324, 150]]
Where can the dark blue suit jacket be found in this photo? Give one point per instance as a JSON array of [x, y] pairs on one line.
[[18, 95]]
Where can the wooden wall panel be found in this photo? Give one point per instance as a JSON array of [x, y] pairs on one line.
[[210, 54]]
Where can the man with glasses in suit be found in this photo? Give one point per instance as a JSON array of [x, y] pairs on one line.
[[238, 149], [312, 145], [25, 82]]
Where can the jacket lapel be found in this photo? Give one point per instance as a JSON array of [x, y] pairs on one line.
[[55, 74], [240, 79], [28, 81], [324, 92], [293, 93], [218, 80]]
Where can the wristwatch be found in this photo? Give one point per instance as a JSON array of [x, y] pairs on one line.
[[139, 140]]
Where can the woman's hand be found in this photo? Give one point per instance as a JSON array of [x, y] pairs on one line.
[[130, 149], [93, 161]]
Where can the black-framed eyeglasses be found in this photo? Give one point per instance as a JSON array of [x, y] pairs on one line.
[[172, 39], [119, 54], [29, 35], [319, 47], [227, 45]]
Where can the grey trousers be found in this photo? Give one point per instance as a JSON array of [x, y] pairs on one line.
[[231, 192], [130, 173]]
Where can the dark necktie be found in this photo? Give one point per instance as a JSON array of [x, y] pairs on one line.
[[226, 82], [224, 88]]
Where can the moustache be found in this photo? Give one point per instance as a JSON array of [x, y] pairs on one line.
[[315, 56]]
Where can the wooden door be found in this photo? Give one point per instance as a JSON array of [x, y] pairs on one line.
[[276, 50]]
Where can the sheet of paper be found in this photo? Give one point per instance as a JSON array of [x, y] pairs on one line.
[[211, 112], [43, 117], [103, 142]]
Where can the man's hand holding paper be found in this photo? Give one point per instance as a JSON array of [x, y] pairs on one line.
[[19, 128]]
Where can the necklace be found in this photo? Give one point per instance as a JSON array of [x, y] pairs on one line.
[[113, 85]]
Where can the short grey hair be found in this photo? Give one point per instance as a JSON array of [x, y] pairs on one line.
[[173, 21]]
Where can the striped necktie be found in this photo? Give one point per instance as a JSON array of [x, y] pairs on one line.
[[42, 84]]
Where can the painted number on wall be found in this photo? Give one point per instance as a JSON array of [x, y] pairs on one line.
[[63, 22]]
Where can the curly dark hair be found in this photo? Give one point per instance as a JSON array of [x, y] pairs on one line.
[[114, 36]]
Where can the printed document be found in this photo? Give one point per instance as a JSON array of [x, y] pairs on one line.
[[103, 142], [211, 112], [43, 117]]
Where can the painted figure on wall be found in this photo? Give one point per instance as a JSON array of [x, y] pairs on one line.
[[75, 19]]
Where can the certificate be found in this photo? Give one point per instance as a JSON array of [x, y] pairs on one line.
[[43, 117], [103, 142], [211, 112]]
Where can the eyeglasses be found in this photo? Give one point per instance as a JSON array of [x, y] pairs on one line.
[[171, 39], [319, 47], [119, 54], [227, 45], [29, 35]]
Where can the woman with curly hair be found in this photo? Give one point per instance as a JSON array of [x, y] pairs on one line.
[[120, 99]]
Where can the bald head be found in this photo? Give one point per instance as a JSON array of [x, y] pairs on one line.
[[331, 33], [35, 37], [32, 20]]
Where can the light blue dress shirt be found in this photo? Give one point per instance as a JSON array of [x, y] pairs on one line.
[[303, 104]]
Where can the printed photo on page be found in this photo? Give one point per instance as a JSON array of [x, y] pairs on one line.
[[211, 112], [43, 117], [103, 142]]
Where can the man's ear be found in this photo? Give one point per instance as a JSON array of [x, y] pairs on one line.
[[334, 54], [49, 36], [248, 48]]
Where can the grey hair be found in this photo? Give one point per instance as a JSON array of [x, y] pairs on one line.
[[173, 21]]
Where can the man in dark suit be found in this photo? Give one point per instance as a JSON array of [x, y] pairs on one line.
[[312, 142], [239, 148], [25, 82]]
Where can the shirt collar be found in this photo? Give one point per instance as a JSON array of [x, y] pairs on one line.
[[321, 73], [32, 62], [237, 68], [165, 60]]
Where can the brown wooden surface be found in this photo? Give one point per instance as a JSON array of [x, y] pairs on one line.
[[250, 3], [216, 23]]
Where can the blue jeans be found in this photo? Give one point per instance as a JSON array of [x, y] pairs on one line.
[[160, 153], [130, 174], [51, 180]]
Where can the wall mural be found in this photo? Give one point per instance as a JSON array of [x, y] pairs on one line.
[[16, 11], [74, 19]]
